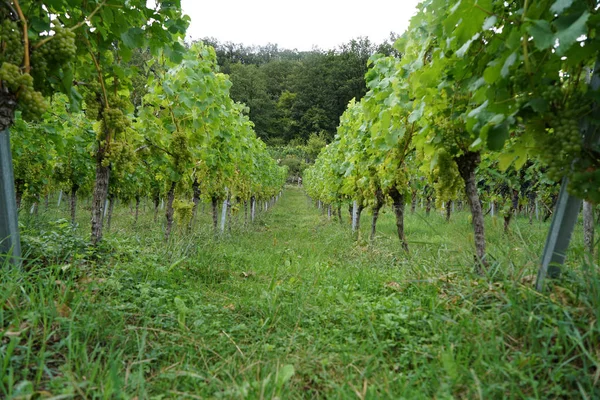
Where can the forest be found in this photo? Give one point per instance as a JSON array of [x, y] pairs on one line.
[[292, 94], [414, 218]]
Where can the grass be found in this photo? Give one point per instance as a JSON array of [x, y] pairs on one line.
[[293, 307]]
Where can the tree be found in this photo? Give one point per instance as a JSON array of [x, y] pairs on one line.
[[249, 86]]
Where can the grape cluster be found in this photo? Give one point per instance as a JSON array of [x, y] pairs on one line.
[[92, 98], [183, 212], [61, 49], [10, 75], [58, 51], [11, 43], [31, 103], [115, 121], [447, 178], [584, 183], [52, 55], [561, 145], [553, 94], [39, 71], [121, 156], [179, 147]]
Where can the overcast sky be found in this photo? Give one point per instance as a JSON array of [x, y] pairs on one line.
[[297, 24]]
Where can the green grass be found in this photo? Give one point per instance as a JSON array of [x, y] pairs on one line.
[[293, 307]]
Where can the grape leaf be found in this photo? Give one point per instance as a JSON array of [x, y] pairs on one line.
[[489, 22], [510, 60], [133, 38], [569, 34], [541, 32], [560, 5], [497, 135]]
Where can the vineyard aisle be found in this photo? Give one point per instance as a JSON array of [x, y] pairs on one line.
[[292, 308]]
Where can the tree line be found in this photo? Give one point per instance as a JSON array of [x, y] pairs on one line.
[[292, 94]]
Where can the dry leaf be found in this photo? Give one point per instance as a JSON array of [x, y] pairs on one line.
[[528, 279], [14, 332], [63, 309]]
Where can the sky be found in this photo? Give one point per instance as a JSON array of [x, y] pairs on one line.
[[297, 24]]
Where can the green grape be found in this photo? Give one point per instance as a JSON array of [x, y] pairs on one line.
[[31, 102], [554, 95], [12, 49], [584, 182], [559, 147], [25, 80], [39, 67], [120, 102], [121, 157], [10, 75], [61, 49], [115, 121], [447, 178], [179, 147], [183, 211], [91, 96]]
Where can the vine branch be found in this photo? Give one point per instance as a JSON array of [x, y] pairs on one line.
[[99, 71], [14, 14], [524, 42], [158, 147], [485, 11], [26, 62], [174, 119]]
